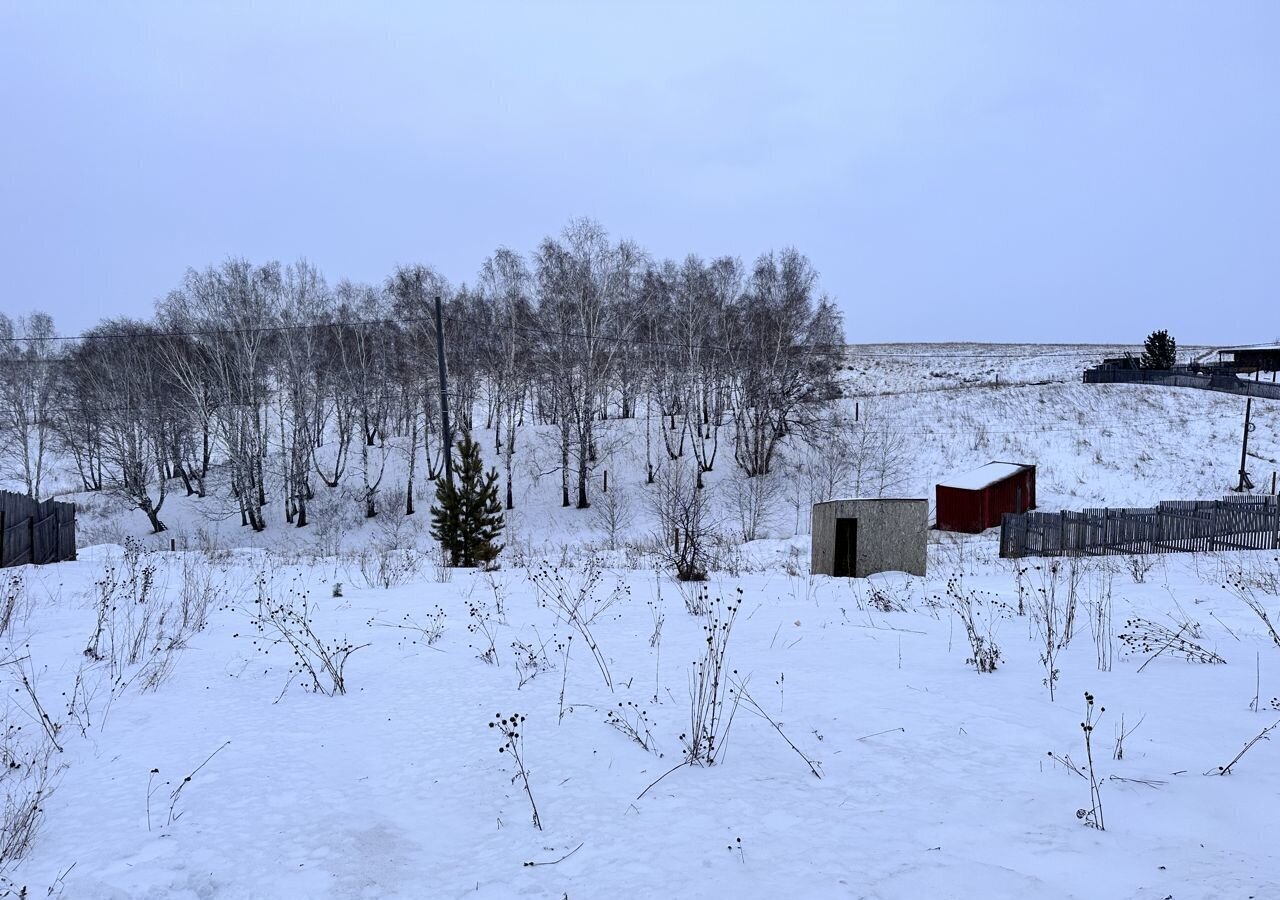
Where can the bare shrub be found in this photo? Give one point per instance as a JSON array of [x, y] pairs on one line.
[[138, 629], [725, 555], [127, 602], [632, 722], [1048, 616], [697, 599], [289, 622], [25, 674], [879, 458], [28, 773], [978, 612], [13, 600], [1099, 608], [484, 629], [640, 554], [803, 586], [28, 761], [530, 659], [82, 702], [1076, 569], [613, 514], [391, 529], [882, 595], [333, 517], [685, 523], [384, 568], [429, 632], [712, 702], [578, 604], [1250, 588], [1151, 639], [753, 504], [1021, 583], [1139, 567], [862, 458], [201, 589]]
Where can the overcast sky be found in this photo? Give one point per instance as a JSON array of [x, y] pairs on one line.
[[955, 170]]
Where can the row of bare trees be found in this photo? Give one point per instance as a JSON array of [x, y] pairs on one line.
[[281, 384]]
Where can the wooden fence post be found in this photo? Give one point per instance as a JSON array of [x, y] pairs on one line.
[[2, 524], [31, 528]]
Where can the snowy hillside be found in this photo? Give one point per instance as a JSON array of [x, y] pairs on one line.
[[325, 711], [940, 404]]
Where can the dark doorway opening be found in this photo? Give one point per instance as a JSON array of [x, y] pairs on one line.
[[846, 548]]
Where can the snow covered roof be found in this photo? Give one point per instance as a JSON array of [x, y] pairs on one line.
[[1249, 347], [983, 476]]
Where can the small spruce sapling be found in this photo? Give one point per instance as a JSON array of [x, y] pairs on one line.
[[467, 516]]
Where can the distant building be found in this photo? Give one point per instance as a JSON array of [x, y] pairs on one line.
[[978, 500], [857, 538], [1256, 358]]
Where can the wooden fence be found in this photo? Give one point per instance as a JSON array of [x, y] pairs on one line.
[[32, 532], [1227, 383], [1242, 522]]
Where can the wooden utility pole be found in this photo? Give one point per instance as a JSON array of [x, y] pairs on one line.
[[1245, 484], [444, 398]]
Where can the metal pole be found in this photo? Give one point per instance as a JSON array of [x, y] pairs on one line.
[[444, 398], [1245, 483]]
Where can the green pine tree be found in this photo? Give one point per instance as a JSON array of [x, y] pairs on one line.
[[467, 517], [1159, 351]]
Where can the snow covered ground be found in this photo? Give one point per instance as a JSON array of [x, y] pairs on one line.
[[936, 780]]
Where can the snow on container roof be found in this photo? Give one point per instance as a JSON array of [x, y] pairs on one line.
[[983, 476], [1250, 347]]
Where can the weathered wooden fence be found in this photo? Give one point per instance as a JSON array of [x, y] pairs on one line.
[[32, 532], [1226, 383], [1243, 522]]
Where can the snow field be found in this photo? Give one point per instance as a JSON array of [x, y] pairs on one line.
[[936, 779]]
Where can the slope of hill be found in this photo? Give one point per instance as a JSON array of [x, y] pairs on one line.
[[320, 712]]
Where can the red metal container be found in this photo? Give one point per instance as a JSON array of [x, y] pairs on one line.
[[977, 500]]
